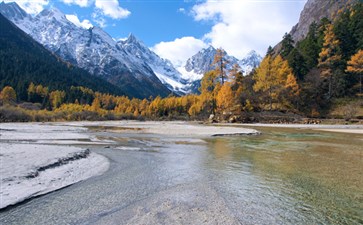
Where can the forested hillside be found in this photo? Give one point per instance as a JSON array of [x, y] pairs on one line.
[[22, 61], [328, 62]]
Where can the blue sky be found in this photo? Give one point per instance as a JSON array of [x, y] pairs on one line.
[[177, 29]]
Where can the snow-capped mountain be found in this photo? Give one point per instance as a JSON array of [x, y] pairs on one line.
[[128, 64], [202, 62], [162, 68], [251, 61], [13, 10]]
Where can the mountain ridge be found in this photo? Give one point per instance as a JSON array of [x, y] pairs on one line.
[[128, 63], [314, 11], [34, 63], [93, 50]]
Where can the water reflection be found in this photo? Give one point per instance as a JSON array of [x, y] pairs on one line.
[[284, 176], [287, 176]]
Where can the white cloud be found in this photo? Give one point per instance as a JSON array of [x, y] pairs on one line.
[[31, 6], [99, 19], [74, 19], [244, 25], [81, 3], [112, 9], [182, 10], [179, 50]]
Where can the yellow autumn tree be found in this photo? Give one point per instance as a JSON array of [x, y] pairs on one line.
[[209, 89], [355, 65], [292, 91], [288, 89], [196, 105], [264, 78], [96, 105], [275, 78], [143, 107], [220, 64], [31, 92], [225, 98], [41, 91], [8, 95], [56, 98], [329, 56]]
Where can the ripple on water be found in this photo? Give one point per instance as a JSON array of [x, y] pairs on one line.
[[295, 178]]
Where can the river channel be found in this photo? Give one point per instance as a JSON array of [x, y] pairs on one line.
[[283, 176]]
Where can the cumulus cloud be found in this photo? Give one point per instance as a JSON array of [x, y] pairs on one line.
[[240, 26], [179, 50], [81, 3], [99, 19], [112, 9], [31, 6], [75, 20]]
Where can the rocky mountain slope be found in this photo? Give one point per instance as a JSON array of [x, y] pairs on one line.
[[23, 60], [314, 11], [91, 49], [128, 64], [202, 62]]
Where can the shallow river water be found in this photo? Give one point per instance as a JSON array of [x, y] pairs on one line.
[[283, 176]]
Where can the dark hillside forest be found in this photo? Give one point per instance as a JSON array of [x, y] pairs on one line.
[[23, 60]]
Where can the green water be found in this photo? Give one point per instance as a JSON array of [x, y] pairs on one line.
[[291, 176]]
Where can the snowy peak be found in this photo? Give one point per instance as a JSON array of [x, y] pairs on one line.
[[52, 13], [202, 62], [95, 51], [102, 35], [132, 44], [162, 68], [131, 39], [12, 11], [250, 61], [126, 63]]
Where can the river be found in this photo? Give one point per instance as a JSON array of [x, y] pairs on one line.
[[283, 176]]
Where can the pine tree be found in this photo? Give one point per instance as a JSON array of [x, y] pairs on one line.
[[297, 63], [270, 51], [309, 48], [287, 45]]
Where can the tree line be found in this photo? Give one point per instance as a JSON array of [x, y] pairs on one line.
[[303, 78]]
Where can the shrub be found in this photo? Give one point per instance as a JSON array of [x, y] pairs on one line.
[[13, 114]]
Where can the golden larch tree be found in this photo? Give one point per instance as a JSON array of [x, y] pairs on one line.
[[329, 56], [220, 64], [275, 77], [225, 97], [355, 65], [8, 95], [264, 78]]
